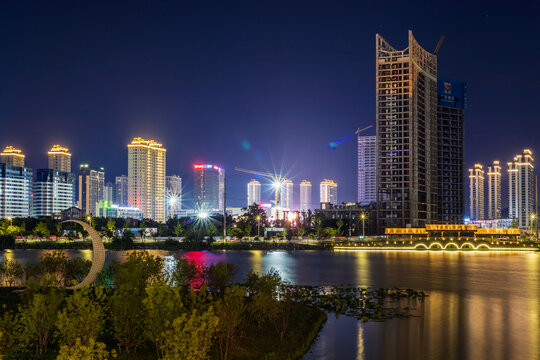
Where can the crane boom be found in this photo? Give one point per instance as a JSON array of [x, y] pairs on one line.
[[278, 179], [358, 131]]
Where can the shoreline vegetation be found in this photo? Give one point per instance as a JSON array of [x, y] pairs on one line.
[[138, 309]]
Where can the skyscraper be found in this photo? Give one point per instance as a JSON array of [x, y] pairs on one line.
[[146, 178], [15, 190], [121, 184], [108, 192], [59, 159], [209, 186], [305, 195], [521, 188], [91, 188], [12, 156], [253, 192], [494, 191], [174, 194], [406, 91], [451, 104], [286, 194], [54, 191], [476, 192], [367, 169], [328, 192]]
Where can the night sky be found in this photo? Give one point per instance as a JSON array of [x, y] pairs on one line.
[[264, 85]]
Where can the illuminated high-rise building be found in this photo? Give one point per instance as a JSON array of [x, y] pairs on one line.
[[15, 190], [174, 194], [12, 156], [286, 194], [476, 192], [146, 178], [59, 159], [494, 191], [209, 186], [91, 188], [305, 195], [108, 192], [406, 90], [521, 189], [121, 190], [451, 104], [253, 192], [367, 169], [328, 192], [54, 191]]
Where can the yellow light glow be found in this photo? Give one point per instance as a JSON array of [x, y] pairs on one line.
[[150, 144], [11, 151], [59, 150]]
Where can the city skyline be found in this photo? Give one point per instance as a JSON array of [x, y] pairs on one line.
[[284, 94]]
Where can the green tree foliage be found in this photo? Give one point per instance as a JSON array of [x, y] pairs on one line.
[[92, 351], [179, 230], [140, 269], [230, 311], [263, 291], [186, 273], [220, 275], [11, 341], [42, 230], [339, 230], [111, 226], [82, 318], [191, 336], [12, 273], [53, 265], [77, 269]]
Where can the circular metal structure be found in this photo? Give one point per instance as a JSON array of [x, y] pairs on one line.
[[98, 255]]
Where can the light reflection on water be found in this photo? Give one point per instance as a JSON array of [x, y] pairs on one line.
[[481, 305]]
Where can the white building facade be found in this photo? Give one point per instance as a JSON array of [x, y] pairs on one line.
[[253, 192], [15, 190], [328, 192], [494, 191], [367, 169], [476, 192], [305, 195], [521, 189], [286, 201]]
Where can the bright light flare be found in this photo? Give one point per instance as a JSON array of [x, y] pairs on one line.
[[203, 215]]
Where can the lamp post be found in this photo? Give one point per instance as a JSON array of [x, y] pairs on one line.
[[10, 221], [363, 217], [258, 226], [534, 219]]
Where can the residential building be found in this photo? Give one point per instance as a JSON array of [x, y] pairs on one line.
[[286, 195], [253, 192], [109, 192], [476, 192], [209, 186], [15, 190], [451, 104], [406, 88], [91, 188], [59, 159], [521, 189], [121, 189], [328, 192], [305, 195], [12, 156], [367, 169], [146, 178], [54, 191], [494, 191], [173, 184]]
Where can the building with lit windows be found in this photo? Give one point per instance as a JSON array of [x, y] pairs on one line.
[[253, 192], [521, 189], [451, 104], [209, 186], [108, 192], [305, 195], [328, 192], [54, 191], [173, 183], [121, 190], [286, 194], [367, 169], [91, 188], [15, 190], [146, 178], [59, 159], [476, 192], [406, 90], [494, 191], [109, 210], [12, 156]]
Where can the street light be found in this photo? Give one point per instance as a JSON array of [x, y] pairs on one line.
[[258, 226], [363, 217], [10, 220], [534, 218]]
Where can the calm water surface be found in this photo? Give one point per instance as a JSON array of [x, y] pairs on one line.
[[482, 305]]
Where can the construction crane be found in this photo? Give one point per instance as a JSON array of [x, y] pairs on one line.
[[358, 131], [276, 180]]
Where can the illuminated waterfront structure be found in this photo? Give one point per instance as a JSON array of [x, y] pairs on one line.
[[286, 201], [406, 88], [305, 195], [91, 188], [451, 104], [494, 191], [12, 156], [367, 169], [173, 184], [521, 189], [107, 209], [146, 178], [253, 192], [121, 190], [15, 190], [209, 186], [54, 191], [476, 192], [328, 192], [59, 159]]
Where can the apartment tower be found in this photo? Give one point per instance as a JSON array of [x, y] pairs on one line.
[[12, 156], [328, 192], [59, 159], [209, 186], [91, 188], [367, 169], [494, 191], [305, 195], [286, 194], [253, 192], [521, 189], [476, 192]]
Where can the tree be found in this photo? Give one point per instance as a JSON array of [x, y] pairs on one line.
[[111, 226], [83, 317], [230, 310], [220, 275], [186, 273], [77, 269], [191, 336], [179, 229], [94, 350], [301, 231], [42, 230], [339, 225], [11, 339], [142, 229], [263, 291], [12, 272]]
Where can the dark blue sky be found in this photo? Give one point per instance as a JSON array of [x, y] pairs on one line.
[[255, 84]]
